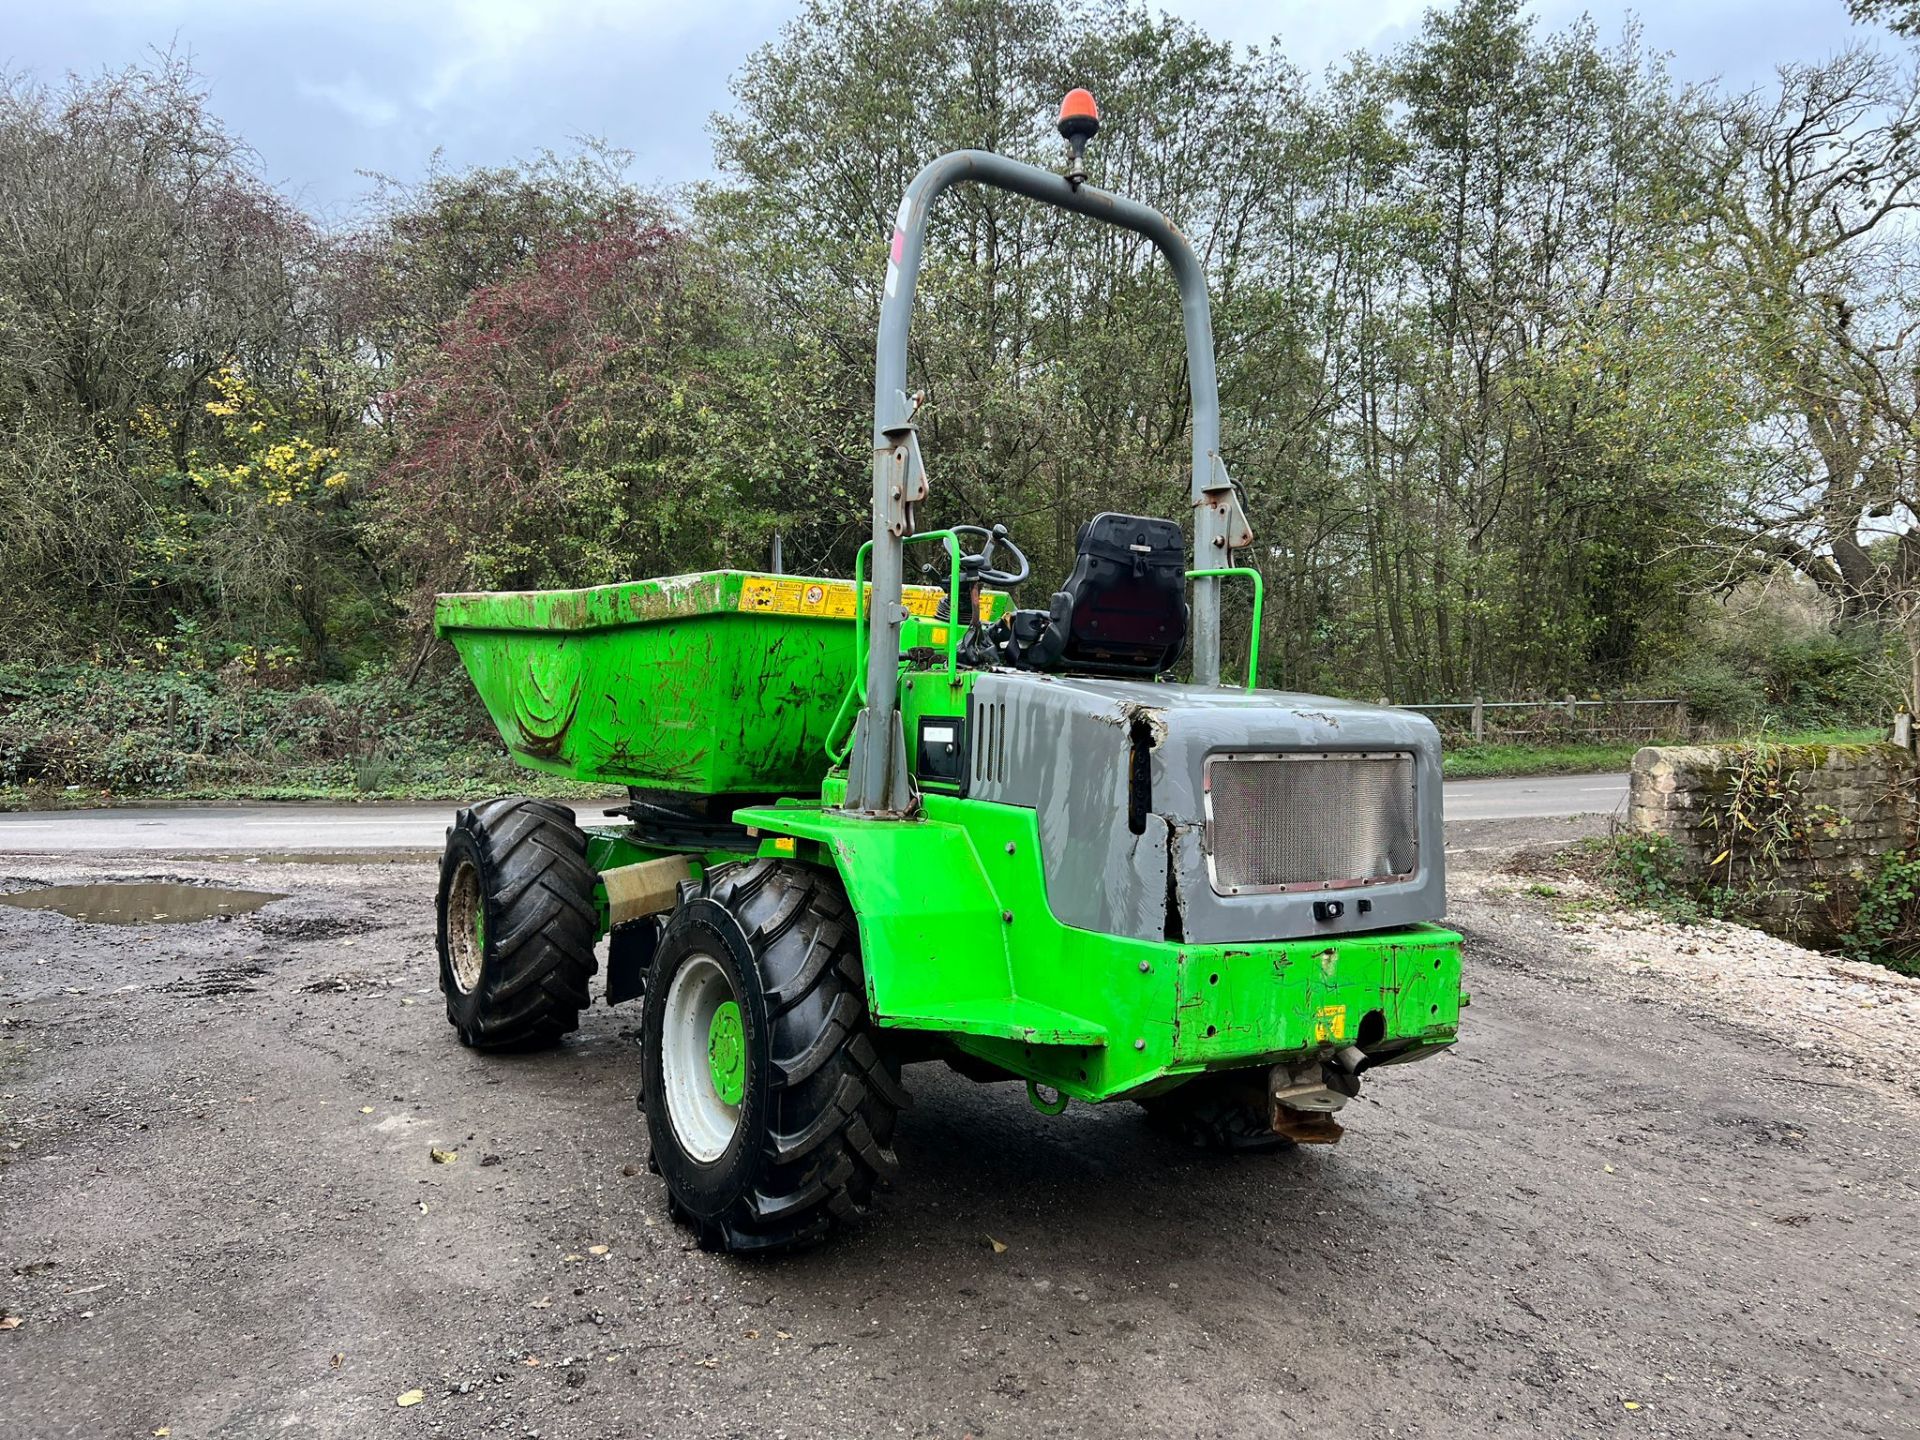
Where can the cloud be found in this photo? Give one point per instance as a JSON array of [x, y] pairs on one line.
[[477, 47], [1314, 35], [328, 88], [490, 37], [352, 97]]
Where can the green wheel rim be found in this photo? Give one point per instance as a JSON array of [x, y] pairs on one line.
[[727, 1053]]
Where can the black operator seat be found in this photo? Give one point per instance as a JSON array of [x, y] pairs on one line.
[[1123, 610]]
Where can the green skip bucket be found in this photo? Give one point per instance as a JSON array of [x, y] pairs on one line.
[[719, 683]]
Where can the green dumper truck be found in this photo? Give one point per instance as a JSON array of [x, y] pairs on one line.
[[872, 825]]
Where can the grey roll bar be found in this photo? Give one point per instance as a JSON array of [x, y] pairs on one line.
[[877, 781]]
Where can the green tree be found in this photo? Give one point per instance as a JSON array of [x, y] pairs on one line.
[[1902, 17]]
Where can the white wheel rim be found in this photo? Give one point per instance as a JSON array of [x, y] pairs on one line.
[[702, 1121], [466, 937]]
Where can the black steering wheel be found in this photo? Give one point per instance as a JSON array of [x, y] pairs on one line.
[[980, 566]]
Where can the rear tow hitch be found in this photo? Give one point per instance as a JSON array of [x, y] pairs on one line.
[[1301, 1098]]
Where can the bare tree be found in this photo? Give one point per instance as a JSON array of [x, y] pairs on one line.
[[140, 253], [1810, 233]]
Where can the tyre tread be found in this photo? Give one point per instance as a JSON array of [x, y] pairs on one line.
[[835, 1097], [543, 922]]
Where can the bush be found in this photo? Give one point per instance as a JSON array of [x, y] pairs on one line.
[[1775, 654], [95, 728], [1886, 926], [1826, 679], [1650, 871], [374, 772], [133, 730], [1716, 692]]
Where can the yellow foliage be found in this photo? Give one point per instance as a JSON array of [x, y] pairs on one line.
[[148, 423], [262, 452]]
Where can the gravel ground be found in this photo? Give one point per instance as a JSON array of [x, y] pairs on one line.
[[1843, 1014], [1627, 1204]]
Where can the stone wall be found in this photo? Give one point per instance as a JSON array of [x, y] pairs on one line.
[[1788, 832]]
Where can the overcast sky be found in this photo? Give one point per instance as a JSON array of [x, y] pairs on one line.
[[326, 88]]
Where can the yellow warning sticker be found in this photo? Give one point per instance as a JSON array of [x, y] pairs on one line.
[[783, 595], [919, 599], [1330, 1024], [828, 599]]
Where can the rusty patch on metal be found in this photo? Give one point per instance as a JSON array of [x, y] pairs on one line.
[[1305, 1127]]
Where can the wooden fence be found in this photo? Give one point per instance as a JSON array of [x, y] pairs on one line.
[[1618, 721]]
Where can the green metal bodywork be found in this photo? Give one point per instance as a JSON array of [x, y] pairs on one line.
[[730, 683], [957, 936], [720, 683]]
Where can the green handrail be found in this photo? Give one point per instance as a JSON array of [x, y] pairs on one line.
[[857, 690], [1259, 604]]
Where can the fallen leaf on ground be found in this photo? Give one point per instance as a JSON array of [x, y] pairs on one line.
[[783, 1335], [366, 1109], [409, 1002], [753, 1334], [568, 1259], [1630, 1404], [444, 1157], [712, 1362], [999, 1246], [597, 1249], [9, 1322], [411, 1397]]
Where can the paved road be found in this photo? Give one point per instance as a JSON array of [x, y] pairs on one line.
[[237, 829], [275, 829], [1540, 797]]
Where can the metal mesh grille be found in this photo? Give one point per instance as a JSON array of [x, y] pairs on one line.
[[1279, 822]]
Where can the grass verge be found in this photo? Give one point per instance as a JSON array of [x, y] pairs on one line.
[[506, 779], [1475, 762]]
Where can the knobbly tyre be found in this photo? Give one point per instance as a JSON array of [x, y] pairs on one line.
[[873, 824]]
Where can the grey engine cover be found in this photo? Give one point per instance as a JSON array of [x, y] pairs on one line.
[[1062, 746]]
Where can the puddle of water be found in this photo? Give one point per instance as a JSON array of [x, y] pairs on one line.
[[142, 902]]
